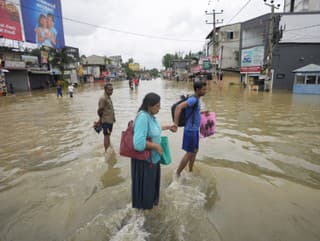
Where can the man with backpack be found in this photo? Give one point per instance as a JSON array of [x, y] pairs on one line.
[[191, 129]]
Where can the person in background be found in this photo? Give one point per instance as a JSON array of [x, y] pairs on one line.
[[11, 89], [59, 89], [191, 129], [70, 90], [136, 82], [131, 83], [106, 114], [145, 174]]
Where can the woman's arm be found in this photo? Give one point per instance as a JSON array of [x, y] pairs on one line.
[[172, 128]]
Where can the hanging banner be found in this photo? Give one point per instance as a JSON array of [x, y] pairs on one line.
[[10, 20], [42, 21]]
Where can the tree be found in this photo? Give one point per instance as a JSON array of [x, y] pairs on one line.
[[129, 72], [167, 60], [60, 59], [154, 72]]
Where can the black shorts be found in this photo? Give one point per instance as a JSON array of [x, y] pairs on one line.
[[107, 128]]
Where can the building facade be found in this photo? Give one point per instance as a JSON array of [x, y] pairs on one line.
[[298, 46], [254, 51], [291, 6]]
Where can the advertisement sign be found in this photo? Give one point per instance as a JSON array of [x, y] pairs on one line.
[[252, 56], [42, 21], [251, 69], [206, 65], [44, 57], [72, 52], [10, 20]]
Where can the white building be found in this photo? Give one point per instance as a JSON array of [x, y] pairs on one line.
[[301, 5]]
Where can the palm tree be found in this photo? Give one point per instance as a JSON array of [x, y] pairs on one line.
[[60, 59]]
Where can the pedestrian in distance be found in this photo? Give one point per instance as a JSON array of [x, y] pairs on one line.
[[11, 89], [131, 83], [136, 82], [190, 143], [59, 89], [106, 114], [145, 174], [70, 90]]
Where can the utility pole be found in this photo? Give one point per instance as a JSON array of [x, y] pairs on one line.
[[271, 37], [214, 22]]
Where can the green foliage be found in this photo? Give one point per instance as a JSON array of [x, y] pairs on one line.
[[59, 58], [154, 72], [167, 60], [129, 72]]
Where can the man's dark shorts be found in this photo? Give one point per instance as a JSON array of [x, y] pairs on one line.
[[190, 141], [107, 128]]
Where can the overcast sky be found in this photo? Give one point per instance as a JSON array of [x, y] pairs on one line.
[[106, 25]]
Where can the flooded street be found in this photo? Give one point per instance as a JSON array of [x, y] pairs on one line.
[[257, 178]]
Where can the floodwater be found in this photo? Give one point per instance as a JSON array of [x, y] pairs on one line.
[[257, 178]]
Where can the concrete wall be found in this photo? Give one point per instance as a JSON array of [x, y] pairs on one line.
[[230, 46], [288, 57]]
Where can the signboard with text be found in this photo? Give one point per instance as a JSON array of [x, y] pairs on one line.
[[10, 20], [252, 56], [251, 69]]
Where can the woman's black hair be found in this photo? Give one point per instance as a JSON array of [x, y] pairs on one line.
[[150, 99], [199, 84]]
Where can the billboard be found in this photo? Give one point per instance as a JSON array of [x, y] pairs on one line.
[[10, 20], [72, 52], [42, 21], [252, 56]]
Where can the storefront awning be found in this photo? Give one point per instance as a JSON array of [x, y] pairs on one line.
[[40, 72], [55, 71]]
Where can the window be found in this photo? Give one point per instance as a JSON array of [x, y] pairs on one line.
[[311, 79], [300, 79], [229, 35]]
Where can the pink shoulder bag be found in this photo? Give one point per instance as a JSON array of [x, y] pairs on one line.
[[126, 145]]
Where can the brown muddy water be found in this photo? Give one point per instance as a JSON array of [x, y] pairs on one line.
[[257, 178]]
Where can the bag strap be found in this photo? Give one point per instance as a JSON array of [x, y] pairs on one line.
[[193, 110]]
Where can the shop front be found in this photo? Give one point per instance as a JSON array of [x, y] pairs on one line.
[[17, 75], [40, 79], [250, 76]]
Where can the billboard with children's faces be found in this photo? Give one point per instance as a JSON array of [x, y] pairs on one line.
[[42, 21]]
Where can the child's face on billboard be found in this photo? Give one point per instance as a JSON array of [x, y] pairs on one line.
[[50, 22]]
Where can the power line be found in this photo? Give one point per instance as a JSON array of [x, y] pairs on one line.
[[114, 29], [244, 6], [131, 33]]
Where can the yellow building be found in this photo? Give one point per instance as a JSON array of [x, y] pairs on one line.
[[134, 66]]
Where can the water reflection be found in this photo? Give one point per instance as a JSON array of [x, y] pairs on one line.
[[111, 176]]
